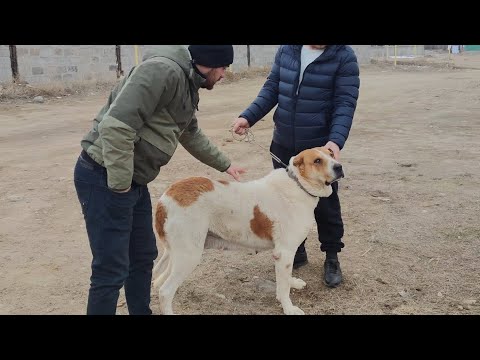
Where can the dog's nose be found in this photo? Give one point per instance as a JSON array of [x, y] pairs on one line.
[[338, 169]]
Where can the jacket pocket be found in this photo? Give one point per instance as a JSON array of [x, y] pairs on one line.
[[148, 159]]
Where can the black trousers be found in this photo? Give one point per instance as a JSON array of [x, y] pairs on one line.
[[328, 214]]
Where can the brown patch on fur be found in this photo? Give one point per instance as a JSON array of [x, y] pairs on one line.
[[261, 225], [224, 182], [185, 192], [160, 218], [288, 266]]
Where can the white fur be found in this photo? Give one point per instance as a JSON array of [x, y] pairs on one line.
[[226, 211]]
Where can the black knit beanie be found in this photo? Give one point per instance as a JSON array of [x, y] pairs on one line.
[[212, 56]]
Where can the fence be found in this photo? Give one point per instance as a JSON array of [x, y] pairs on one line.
[[63, 63]]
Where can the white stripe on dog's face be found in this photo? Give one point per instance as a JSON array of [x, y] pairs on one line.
[[318, 167]]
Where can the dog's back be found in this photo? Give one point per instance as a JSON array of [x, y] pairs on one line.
[[247, 213]]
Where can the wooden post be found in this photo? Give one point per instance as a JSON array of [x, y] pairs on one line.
[[395, 51], [14, 63], [119, 61], [248, 55], [136, 54]]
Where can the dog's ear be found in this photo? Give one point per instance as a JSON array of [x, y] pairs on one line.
[[298, 162]]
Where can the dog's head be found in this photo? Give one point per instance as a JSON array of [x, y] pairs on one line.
[[316, 169]]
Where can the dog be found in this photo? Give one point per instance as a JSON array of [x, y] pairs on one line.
[[274, 212]]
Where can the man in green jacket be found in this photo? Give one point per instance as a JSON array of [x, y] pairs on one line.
[[136, 133]]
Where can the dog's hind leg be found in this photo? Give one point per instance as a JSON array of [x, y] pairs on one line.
[[182, 265], [283, 271], [184, 256]]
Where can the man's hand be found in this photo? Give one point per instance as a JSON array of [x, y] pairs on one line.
[[235, 171], [240, 126], [334, 147]]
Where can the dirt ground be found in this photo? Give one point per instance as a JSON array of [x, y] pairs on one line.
[[410, 203]]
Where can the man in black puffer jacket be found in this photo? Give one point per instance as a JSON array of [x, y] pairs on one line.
[[316, 89]]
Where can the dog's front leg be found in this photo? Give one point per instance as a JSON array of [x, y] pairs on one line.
[[283, 272]]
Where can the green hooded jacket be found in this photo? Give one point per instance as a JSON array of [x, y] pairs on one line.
[[147, 114]]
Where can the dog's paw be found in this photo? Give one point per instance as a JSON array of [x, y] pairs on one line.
[[293, 310], [298, 284]]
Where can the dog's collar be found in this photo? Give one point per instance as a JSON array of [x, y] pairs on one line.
[[292, 176]]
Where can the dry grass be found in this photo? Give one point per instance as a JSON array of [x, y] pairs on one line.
[[22, 91], [420, 63], [250, 73]]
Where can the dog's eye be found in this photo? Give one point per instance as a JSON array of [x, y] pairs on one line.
[[318, 161]]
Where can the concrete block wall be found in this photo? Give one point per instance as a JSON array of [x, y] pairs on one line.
[[128, 55], [5, 67], [260, 55], [63, 63]]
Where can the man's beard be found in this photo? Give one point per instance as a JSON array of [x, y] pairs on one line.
[[207, 85], [209, 82]]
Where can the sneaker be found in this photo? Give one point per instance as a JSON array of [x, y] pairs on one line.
[[332, 273]]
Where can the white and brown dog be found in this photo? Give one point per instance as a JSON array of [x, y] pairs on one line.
[[274, 212]]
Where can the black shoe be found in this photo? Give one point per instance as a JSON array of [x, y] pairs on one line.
[[332, 273], [300, 258]]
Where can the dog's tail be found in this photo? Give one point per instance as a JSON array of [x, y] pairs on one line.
[[161, 265]]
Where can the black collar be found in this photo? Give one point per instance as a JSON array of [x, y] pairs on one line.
[[293, 177]]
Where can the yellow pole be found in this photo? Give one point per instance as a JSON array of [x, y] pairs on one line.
[[395, 52], [136, 54]]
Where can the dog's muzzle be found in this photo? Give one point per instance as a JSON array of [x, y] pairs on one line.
[[338, 171]]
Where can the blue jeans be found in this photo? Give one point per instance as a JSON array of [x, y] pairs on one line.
[[122, 241]]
